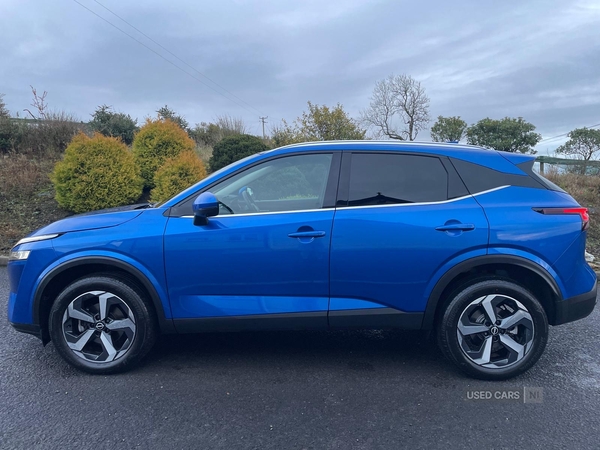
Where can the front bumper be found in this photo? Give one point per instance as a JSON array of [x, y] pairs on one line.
[[575, 308]]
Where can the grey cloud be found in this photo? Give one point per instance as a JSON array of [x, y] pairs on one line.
[[537, 59]]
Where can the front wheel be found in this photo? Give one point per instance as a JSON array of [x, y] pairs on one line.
[[101, 324], [493, 329]]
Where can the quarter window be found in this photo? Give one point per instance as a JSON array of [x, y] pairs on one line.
[[379, 179]]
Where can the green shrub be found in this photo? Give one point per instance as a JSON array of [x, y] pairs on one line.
[[234, 148], [156, 141], [96, 173], [114, 124], [8, 130], [177, 174], [166, 113]]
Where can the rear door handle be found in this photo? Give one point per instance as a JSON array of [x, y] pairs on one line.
[[307, 234], [456, 227]]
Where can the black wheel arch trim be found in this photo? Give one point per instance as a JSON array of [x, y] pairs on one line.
[[465, 266], [165, 325], [28, 328], [575, 308]]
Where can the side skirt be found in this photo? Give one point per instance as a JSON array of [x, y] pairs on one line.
[[291, 321], [375, 318], [352, 318]]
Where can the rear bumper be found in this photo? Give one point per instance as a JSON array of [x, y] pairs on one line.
[[575, 308]]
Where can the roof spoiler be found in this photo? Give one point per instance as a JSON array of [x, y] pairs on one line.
[[517, 158]]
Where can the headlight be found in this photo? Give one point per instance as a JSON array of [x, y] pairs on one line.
[[42, 237], [19, 256]]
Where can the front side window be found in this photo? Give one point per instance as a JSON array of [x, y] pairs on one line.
[[383, 178], [290, 183]]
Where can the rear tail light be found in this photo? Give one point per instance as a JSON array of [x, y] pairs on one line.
[[583, 213]]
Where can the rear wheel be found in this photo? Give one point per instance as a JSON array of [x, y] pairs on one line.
[[101, 324], [493, 329]]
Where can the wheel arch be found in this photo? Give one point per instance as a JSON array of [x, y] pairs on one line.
[[528, 273], [60, 276]]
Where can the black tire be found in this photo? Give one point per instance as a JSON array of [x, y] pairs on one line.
[[137, 345], [465, 301]]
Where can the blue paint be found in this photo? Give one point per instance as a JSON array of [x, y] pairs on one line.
[[315, 260]]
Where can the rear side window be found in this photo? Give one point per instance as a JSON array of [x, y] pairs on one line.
[[480, 178], [527, 167], [379, 179]]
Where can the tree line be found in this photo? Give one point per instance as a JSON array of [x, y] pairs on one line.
[[398, 109]]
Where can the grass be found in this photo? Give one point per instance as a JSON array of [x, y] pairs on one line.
[[204, 152], [586, 190]]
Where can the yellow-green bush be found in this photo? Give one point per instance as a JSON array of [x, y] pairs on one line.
[[177, 174], [157, 141], [95, 173]]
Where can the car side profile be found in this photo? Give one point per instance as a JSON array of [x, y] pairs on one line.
[[469, 243]]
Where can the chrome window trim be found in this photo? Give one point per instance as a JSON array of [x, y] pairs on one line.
[[440, 202], [392, 205], [266, 213]]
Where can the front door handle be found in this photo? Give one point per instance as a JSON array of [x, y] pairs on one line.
[[307, 234], [456, 227]]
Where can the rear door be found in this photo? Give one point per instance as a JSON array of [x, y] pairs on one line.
[[400, 218]]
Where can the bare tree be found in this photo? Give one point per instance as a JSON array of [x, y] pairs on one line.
[[209, 133], [50, 131], [399, 108], [39, 103], [231, 125]]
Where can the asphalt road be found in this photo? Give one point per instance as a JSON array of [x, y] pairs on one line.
[[298, 390]]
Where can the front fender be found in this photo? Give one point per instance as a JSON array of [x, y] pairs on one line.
[[135, 268]]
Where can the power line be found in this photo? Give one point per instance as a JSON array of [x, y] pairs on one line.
[[564, 134], [161, 56], [175, 56]]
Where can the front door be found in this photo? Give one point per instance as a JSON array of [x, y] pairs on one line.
[[265, 256]]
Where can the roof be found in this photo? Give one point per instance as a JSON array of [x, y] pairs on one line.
[[470, 153], [386, 143], [410, 146]]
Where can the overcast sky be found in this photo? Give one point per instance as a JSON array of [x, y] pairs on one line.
[[535, 59]]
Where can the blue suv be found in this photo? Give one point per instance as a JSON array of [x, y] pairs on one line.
[[464, 241]]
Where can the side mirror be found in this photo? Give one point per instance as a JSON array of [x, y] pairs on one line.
[[206, 205]]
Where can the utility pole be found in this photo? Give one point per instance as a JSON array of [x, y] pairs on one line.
[[263, 120]]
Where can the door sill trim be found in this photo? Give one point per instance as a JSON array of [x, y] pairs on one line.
[[375, 318], [350, 318], [284, 321]]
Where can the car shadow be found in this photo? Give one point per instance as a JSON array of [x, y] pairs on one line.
[[357, 350]]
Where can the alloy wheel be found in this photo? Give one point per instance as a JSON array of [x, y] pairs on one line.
[[495, 331], [98, 326]]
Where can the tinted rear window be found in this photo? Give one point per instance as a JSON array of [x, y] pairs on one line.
[[480, 178], [527, 167], [377, 179]]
